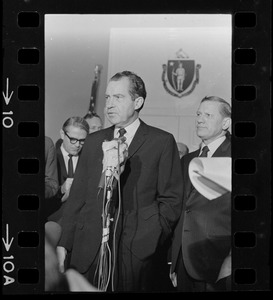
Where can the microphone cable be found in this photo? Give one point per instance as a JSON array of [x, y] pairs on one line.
[[104, 262]]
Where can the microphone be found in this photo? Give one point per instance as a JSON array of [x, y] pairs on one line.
[[102, 177], [120, 140], [111, 150]]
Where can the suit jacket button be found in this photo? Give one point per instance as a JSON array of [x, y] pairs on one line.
[[187, 211]]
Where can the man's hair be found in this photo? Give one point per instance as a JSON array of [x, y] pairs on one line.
[[225, 108], [91, 115], [77, 122], [137, 85]]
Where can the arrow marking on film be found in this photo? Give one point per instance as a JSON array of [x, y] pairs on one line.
[[6, 242], [6, 96]]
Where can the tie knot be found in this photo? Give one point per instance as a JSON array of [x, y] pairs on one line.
[[121, 132], [70, 155], [204, 152]]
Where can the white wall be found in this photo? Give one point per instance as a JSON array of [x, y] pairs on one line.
[[145, 50], [74, 45], [140, 43]]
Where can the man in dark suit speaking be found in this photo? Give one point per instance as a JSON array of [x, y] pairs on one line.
[[146, 202], [202, 238]]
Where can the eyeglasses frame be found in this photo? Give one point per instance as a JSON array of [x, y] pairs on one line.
[[81, 141]]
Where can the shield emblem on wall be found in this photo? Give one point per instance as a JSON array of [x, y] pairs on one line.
[[180, 76]]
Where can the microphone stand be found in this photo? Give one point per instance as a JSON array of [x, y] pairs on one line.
[[109, 192], [105, 260], [106, 264]]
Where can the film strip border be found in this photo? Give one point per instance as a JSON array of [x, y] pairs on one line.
[[251, 179], [23, 143], [23, 153]]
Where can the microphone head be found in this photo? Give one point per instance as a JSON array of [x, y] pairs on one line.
[[122, 139]]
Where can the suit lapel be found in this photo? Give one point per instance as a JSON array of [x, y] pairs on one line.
[[63, 172], [62, 163], [138, 139], [223, 150], [109, 133], [189, 185]]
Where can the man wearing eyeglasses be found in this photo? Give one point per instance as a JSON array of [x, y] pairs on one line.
[[73, 135]]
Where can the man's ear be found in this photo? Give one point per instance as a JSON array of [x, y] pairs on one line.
[[138, 102], [226, 123], [62, 134]]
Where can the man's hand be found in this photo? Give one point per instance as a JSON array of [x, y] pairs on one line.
[[61, 254], [65, 189], [173, 277]]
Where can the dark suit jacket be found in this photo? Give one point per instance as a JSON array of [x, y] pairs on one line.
[[204, 226], [58, 206], [150, 190], [62, 173], [51, 174]]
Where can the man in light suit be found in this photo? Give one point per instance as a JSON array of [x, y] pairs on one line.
[[202, 238], [150, 196]]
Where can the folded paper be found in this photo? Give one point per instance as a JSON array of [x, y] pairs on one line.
[[211, 177]]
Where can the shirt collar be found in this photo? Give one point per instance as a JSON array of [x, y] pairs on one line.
[[65, 153], [213, 146], [130, 129]]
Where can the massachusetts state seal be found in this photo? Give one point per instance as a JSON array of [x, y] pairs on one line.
[[180, 75]]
